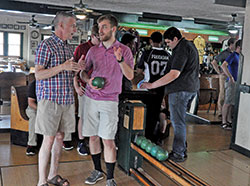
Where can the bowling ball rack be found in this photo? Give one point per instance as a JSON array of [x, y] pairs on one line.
[[169, 168], [130, 156]]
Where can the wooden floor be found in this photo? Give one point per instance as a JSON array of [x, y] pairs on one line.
[[209, 158]]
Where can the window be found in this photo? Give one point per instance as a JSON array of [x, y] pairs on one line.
[[11, 44], [1, 43], [14, 44]]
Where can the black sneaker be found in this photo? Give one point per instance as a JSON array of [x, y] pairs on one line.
[[31, 150], [228, 127], [67, 145], [185, 154], [177, 158], [82, 149], [94, 177]]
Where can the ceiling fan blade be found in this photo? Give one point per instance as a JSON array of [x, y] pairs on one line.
[[88, 10], [96, 13]]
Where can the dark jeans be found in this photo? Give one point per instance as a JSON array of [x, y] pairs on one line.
[[178, 102], [153, 110]]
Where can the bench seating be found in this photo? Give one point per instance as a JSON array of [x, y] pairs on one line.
[[19, 120], [8, 79]]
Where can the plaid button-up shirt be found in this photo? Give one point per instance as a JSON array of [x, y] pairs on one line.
[[59, 88]]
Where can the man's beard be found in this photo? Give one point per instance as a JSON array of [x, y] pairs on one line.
[[106, 37]]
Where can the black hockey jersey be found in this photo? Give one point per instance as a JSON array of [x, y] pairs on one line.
[[154, 62]]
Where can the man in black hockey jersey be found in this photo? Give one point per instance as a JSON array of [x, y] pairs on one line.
[[154, 62]]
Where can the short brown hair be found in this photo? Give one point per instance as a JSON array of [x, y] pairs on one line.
[[231, 41], [112, 19], [95, 29]]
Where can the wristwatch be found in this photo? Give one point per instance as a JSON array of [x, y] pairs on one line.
[[122, 59]]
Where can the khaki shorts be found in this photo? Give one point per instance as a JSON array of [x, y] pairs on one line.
[[100, 118], [52, 118], [80, 103], [229, 93]]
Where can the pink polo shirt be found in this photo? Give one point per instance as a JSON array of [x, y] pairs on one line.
[[105, 65]]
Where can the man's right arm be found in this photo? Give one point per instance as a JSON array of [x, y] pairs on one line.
[[224, 67], [216, 66], [42, 73]]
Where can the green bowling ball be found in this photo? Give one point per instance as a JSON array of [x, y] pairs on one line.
[[162, 155], [145, 143], [154, 150], [98, 82], [139, 140], [149, 147]]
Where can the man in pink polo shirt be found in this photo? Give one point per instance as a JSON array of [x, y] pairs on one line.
[[110, 60]]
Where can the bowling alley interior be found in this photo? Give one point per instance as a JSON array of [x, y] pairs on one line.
[[217, 152]]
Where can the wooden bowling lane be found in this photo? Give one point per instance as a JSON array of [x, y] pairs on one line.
[[75, 172], [214, 119], [171, 169], [157, 175], [203, 138], [220, 168]]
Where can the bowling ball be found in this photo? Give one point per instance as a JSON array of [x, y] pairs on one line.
[[139, 140], [154, 150], [149, 147], [162, 155], [98, 82], [145, 143]]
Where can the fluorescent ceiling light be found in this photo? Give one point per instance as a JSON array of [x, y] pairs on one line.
[[11, 11], [81, 16], [232, 31]]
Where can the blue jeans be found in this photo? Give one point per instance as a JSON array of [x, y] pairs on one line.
[[178, 102]]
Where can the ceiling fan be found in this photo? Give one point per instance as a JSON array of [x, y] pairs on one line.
[[234, 23], [80, 9], [34, 23], [222, 25]]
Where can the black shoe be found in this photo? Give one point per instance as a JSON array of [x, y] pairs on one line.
[[67, 145], [177, 158], [185, 152], [82, 149], [31, 150], [226, 126]]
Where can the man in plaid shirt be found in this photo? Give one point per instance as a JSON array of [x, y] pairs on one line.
[[54, 71]]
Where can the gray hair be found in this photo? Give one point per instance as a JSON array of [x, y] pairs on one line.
[[60, 15]]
